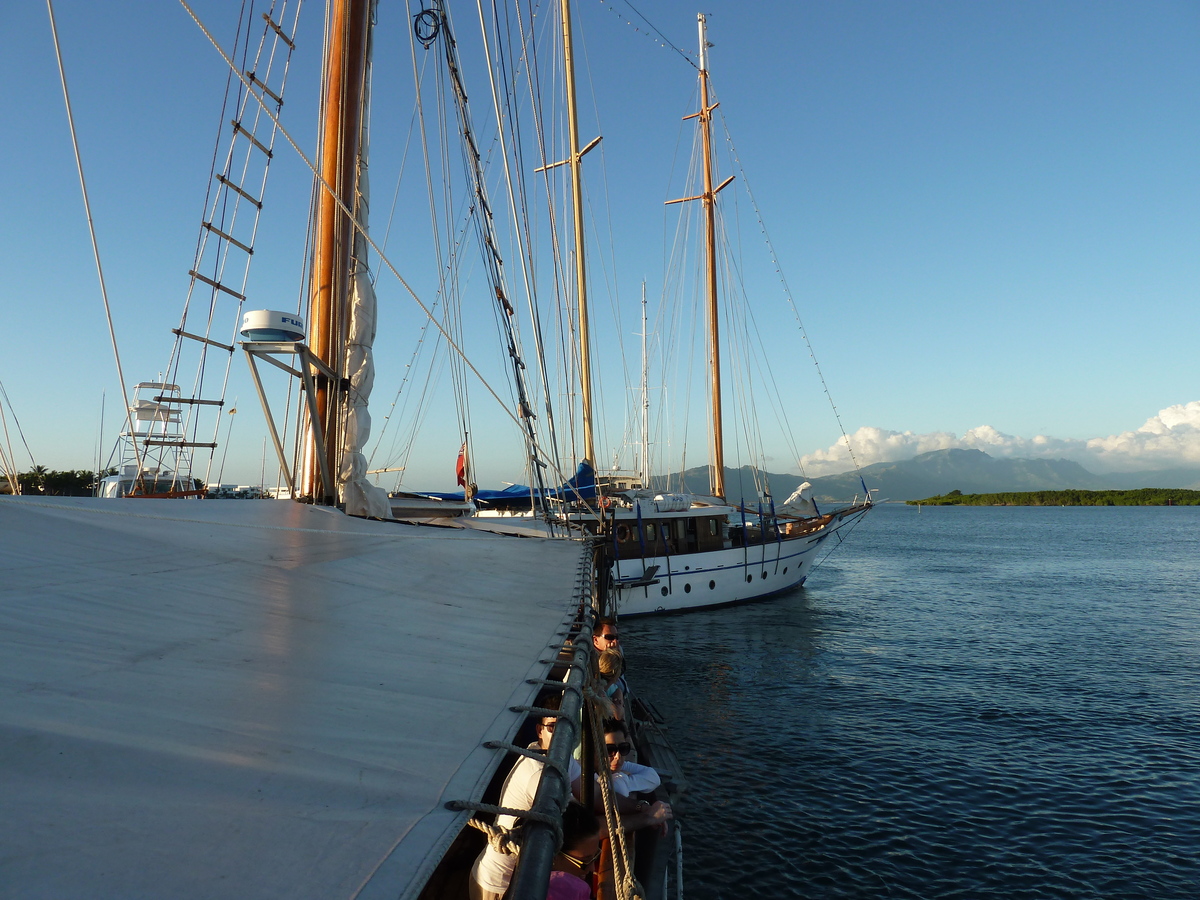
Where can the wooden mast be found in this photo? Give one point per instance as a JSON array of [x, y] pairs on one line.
[[341, 128], [576, 160], [716, 478]]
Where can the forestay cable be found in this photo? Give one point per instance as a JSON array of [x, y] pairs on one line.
[[112, 334]]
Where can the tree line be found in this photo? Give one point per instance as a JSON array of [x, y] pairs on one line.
[[1139, 497], [54, 483]]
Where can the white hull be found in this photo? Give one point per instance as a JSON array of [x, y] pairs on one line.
[[718, 577]]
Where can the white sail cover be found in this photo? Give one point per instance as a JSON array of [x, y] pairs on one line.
[[237, 698], [361, 498], [800, 503]]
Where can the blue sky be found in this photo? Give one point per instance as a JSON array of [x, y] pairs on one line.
[[988, 215]]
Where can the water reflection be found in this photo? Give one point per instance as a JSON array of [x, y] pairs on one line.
[[964, 703]]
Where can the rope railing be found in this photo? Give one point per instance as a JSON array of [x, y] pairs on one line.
[[542, 841]]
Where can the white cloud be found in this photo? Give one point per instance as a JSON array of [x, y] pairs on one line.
[[1167, 440]]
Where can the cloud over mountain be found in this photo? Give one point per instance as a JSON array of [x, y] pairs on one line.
[[1168, 440]]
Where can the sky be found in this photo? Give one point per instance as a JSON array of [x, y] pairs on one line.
[[988, 216]]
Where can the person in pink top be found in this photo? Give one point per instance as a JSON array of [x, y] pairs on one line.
[[571, 870]]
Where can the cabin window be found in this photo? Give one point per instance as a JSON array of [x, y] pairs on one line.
[[650, 531], [712, 527]]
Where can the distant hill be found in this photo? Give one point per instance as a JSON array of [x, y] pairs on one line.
[[939, 472], [969, 471]]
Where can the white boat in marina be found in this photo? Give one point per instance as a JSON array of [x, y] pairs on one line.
[[668, 560], [674, 552]]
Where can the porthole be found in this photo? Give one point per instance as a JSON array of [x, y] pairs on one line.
[[687, 588], [665, 591], [749, 577], [764, 574], [712, 585], [785, 568]]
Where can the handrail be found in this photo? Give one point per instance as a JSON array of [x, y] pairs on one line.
[[540, 845]]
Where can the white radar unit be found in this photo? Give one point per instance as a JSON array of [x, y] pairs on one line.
[[270, 325]]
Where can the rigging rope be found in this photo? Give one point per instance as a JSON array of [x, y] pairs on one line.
[[8, 463], [112, 334], [627, 887], [787, 292], [663, 40], [358, 226], [20, 431]]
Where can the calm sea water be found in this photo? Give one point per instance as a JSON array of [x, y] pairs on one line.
[[965, 702]]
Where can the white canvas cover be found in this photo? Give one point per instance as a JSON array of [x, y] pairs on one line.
[[800, 503], [359, 495], [253, 698]]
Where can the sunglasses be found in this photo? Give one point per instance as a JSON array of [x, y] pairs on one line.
[[612, 637], [584, 863], [622, 748]]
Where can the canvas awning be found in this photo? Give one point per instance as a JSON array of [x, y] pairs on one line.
[[253, 698]]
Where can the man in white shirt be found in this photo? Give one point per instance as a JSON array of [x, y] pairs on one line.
[[493, 870], [630, 777]]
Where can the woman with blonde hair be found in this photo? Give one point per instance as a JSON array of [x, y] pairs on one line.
[[612, 666]]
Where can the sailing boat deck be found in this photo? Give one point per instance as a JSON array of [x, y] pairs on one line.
[[232, 698]]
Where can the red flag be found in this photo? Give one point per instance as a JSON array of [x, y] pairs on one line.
[[460, 468]]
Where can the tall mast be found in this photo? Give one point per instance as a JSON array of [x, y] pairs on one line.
[[717, 450], [645, 400], [341, 128], [576, 160]]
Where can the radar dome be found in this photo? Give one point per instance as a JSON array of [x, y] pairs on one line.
[[272, 325]]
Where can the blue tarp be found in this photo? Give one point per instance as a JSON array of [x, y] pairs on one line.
[[583, 485]]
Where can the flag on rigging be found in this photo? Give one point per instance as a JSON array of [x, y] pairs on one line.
[[460, 468]]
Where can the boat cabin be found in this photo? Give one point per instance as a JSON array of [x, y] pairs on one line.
[[668, 535]]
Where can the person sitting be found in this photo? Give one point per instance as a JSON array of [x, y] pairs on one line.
[[493, 870], [628, 777], [606, 635], [612, 666], [571, 869]]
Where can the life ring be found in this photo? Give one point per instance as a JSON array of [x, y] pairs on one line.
[[622, 532], [605, 502]]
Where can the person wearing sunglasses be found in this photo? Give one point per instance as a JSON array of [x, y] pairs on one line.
[[571, 870], [493, 870], [606, 635], [628, 779]]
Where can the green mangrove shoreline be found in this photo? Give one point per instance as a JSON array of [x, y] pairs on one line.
[[1139, 497]]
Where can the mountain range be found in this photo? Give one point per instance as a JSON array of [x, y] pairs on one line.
[[937, 472]]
